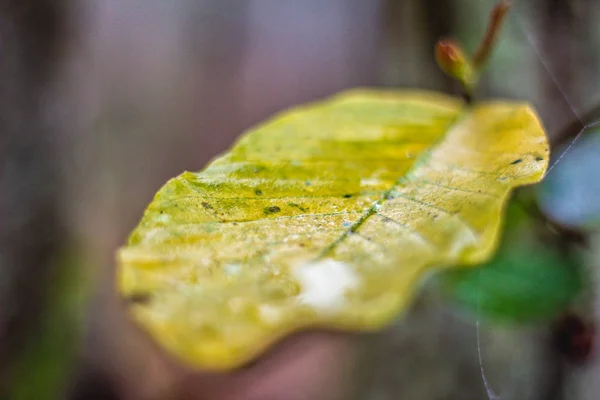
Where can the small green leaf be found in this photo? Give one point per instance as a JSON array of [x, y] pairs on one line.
[[528, 280]]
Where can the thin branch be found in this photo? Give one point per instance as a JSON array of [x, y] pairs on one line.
[[491, 35]]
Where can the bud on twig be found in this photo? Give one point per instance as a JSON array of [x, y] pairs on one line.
[[453, 61]]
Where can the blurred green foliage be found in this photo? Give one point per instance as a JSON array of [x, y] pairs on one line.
[[531, 278], [45, 364]]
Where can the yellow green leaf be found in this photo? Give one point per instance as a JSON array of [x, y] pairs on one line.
[[328, 215]]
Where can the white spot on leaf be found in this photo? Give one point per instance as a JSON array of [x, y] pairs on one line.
[[269, 314], [232, 269], [325, 283]]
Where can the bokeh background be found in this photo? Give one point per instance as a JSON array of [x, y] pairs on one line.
[[151, 88]]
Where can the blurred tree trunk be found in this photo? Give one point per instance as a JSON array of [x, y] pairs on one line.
[[439, 19], [564, 32], [32, 35], [412, 27], [564, 29]]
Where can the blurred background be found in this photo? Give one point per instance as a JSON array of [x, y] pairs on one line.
[[150, 88]]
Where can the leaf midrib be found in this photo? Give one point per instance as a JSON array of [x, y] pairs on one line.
[[387, 194]]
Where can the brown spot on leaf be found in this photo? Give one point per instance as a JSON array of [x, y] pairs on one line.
[[272, 210], [298, 206], [138, 298]]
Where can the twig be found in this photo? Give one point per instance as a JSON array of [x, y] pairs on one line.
[[491, 35]]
